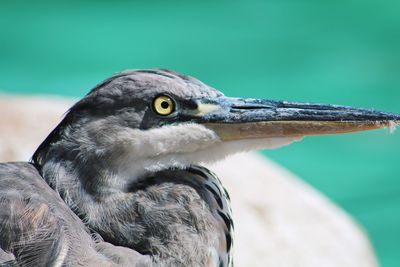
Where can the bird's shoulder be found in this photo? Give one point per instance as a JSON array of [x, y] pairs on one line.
[[22, 181], [30, 234]]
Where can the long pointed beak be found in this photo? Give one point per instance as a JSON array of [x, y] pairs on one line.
[[235, 118]]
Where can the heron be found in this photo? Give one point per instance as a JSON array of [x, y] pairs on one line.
[[120, 181]]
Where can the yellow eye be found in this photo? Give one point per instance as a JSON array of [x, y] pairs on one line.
[[163, 105]]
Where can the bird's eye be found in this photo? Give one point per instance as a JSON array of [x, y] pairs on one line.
[[163, 105]]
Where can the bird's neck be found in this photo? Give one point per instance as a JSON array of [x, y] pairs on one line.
[[156, 213]]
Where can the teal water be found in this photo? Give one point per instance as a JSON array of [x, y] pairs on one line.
[[343, 52]]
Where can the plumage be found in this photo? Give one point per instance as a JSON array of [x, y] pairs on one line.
[[38, 229], [117, 182]]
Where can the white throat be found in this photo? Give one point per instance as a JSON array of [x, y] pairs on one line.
[[177, 146]]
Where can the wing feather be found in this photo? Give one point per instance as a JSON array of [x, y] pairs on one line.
[[38, 229]]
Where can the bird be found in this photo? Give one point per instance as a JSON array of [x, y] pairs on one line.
[[120, 180]]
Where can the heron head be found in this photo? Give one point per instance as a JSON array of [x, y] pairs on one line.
[[148, 120]]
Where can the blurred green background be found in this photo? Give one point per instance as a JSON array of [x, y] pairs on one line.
[[343, 52]]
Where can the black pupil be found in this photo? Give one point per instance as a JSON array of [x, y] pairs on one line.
[[164, 104]]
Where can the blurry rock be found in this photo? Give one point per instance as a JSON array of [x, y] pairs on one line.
[[25, 122], [283, 222], [279, 220]]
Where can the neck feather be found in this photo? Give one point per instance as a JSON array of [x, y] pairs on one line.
[[154, 214]]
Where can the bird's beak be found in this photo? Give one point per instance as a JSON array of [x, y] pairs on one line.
[[236, 118]]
